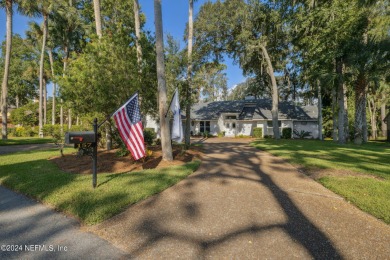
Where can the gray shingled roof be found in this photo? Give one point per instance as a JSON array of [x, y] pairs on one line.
[[252, 109]]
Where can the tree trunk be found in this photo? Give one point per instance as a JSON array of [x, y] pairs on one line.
[[360, 107], [62, 117], [44, 101], [340, 89], [162, 90], [53, 111], [98, 21], [372, 109], [383, 115], [137, 24], [4, 86], [69, 118], [365, 127], [41, 64], [346, 119], [108, 135], [319, 111], [17, 101], [138, 35], [334, 115], [275, 95], [189, 75]]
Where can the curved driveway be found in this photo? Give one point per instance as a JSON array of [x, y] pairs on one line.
[[24, 147], [243, 203]]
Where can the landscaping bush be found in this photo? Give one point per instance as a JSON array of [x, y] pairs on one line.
[[258, 132], [221, 134], [26, 115], [286, 133], [149, 136], [21, 131], [207, 134], [302, 134]]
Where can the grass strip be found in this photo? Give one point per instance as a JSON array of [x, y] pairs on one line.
[[31, 173], [371, 194], [25, 140]]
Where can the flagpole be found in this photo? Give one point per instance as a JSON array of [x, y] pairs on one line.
[[170, 103]]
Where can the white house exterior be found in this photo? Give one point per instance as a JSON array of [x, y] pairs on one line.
[[240, 117]]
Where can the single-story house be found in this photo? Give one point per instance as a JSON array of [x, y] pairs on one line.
[[240, 117]]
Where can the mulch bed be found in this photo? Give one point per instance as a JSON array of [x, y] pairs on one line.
[[110, 162]]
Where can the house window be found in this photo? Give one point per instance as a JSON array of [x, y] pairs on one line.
[[205, 126], [234, 125], [269, 123], [231, 117]]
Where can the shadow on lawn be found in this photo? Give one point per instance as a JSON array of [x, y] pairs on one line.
[[350, 156]]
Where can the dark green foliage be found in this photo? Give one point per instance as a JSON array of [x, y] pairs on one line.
[[149, 136], [58, 133], [258, 132], [26, 115], [302, 134], [21, 131], [286, 133]]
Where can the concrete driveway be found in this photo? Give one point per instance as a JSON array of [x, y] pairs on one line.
[[24, 147], [246, 204]]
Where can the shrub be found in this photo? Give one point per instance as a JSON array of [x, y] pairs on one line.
[[149, 136], [286, 133], [258, 132], [26, 115], [11, 131], [221, 134], [302, 134], [207, 134], [21, 131], [243, 136]]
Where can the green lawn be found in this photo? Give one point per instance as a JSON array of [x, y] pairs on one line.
[[25, 140], [31, 173], [372, 159]]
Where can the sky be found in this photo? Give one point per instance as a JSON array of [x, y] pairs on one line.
[[175, 17]]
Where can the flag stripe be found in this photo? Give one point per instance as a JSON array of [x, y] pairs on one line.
[[128, 122], [121, 133], [125, 136], [131, 135], [137, 140]]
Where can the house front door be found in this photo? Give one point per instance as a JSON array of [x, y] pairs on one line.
[[230, 128]]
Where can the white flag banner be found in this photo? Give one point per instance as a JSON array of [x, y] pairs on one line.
[[177, 128]]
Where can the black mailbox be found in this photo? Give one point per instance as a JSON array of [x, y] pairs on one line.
[[80, 137]]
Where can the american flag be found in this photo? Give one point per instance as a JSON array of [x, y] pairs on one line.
[[128, 122]]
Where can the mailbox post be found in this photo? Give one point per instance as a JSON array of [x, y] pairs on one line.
[[86, 142], [94, 156]]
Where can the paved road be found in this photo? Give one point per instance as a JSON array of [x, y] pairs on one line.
[[24, 147], [41, 233], [243, 203]]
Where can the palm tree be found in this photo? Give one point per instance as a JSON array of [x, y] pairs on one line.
[[42, 7], [4, 88], [162, 89], [98, 22], [138, 35], [189, 74]]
